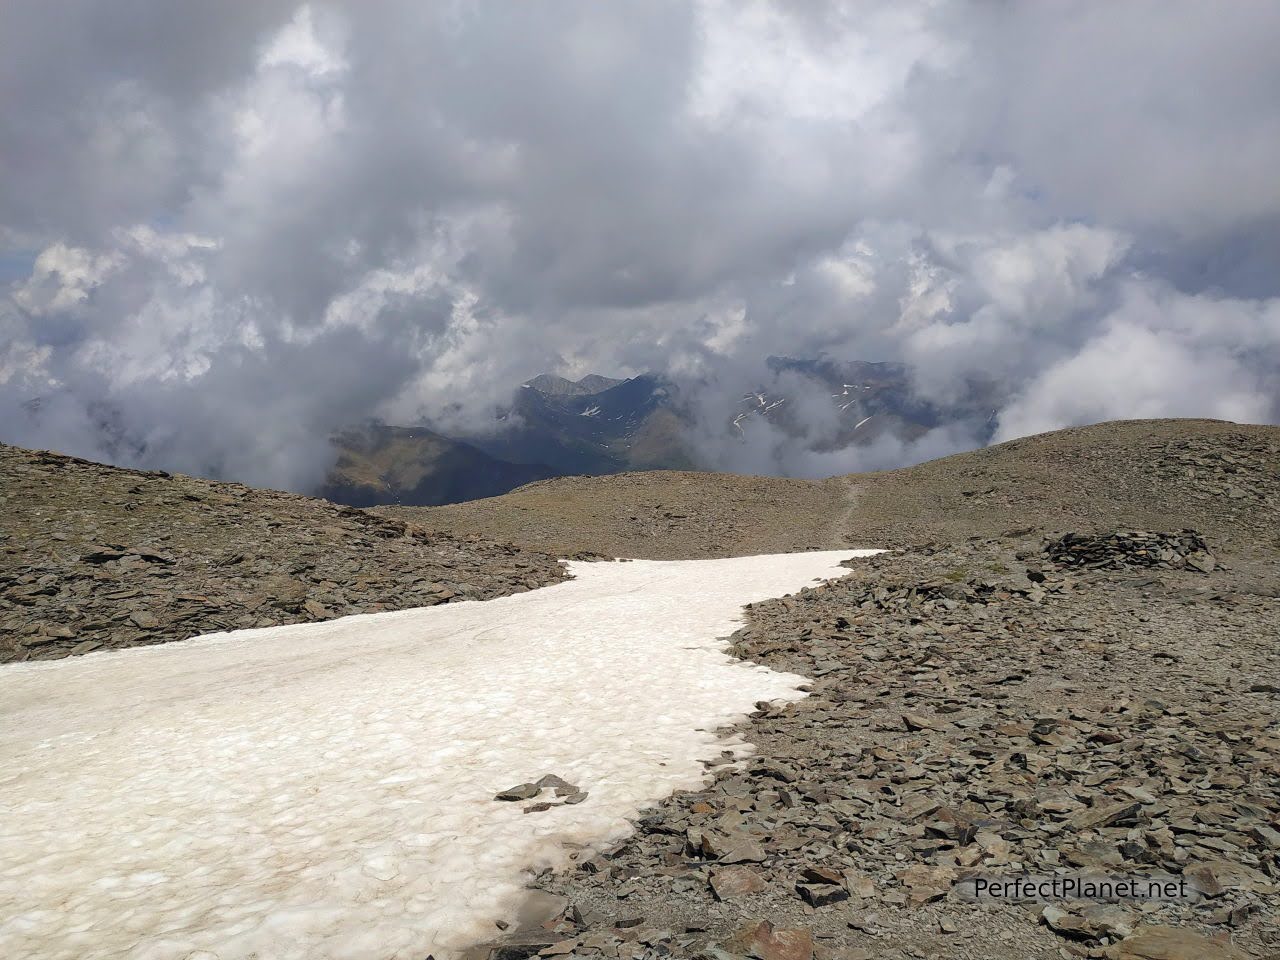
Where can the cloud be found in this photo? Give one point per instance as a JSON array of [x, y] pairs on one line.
[[61, 279], [231, 232], [1161, 354]]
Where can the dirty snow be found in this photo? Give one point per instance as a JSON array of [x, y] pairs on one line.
[[325, 790]]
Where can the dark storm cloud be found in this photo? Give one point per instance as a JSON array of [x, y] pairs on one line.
[[101, 106], [235, 228]]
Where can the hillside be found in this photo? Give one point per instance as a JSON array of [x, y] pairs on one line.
[[1221, 478], [658, 515], [418, 467], [975, 711], [95, 557]]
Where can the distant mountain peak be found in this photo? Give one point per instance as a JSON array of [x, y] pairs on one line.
[[553, 386]]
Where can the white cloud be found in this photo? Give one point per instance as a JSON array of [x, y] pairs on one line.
[[298, 45], [62, 278], [1161, 354], [762, 62], [262, 223]]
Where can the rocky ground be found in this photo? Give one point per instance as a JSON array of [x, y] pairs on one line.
[[95, 557], [1223, 479], [1089, 704], [1068, 664], [658, 515]]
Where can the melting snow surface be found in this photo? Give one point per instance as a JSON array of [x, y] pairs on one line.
[[325, 790]]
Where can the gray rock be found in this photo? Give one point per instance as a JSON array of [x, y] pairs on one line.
[[521, 791]]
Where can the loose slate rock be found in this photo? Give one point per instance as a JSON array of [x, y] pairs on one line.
[[821, 894], [561, 786], [761, 940], [1105, 815], [735, 882], [521, 791], [733, 848], [1171, 943]]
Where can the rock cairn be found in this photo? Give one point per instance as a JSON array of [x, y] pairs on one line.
[[1132, 548]]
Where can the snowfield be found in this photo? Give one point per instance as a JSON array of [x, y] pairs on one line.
[[326, 790]]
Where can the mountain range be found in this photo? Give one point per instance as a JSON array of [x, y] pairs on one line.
[[595, 425], [553, 427], [868, 400], [600, 425]]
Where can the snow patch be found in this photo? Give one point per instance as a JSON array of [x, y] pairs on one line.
[[326, 790]]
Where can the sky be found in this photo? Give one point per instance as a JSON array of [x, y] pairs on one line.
[[228, 230]]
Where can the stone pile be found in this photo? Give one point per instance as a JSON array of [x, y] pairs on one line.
[[965, 720], [93, 557], [1132, 548]]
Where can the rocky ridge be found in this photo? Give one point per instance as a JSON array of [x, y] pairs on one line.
[[95, 557], [1223, 479], [975, 710]]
